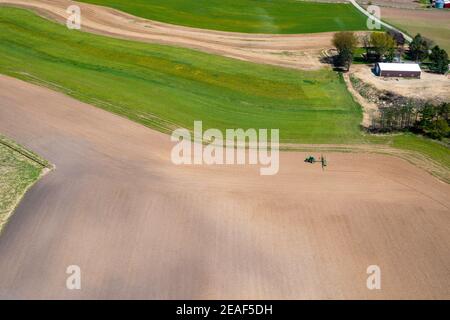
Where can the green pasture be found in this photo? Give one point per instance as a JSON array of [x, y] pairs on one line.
[[252, 16], [166, 87]]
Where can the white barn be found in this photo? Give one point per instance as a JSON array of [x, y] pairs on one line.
[[403, 70]]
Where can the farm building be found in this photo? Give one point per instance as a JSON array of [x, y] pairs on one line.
[[404, 70], [440, 4]]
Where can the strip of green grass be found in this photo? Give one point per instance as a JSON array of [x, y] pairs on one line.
[[430, 148], [252, 16], [166, 87], [17, 172]]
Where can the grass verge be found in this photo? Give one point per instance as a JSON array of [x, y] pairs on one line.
[[19, 170], [431, 149]]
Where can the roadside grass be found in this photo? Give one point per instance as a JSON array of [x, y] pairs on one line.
[[250, 16], [18, 171], [166, 87]]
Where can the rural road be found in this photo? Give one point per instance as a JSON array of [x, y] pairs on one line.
[[141, 227], [294, 51]]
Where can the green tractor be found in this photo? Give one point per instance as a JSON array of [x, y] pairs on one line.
[[312, 159]]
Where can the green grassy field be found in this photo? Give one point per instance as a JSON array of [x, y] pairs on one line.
[[17, 173], [166, 87], [253, 16]]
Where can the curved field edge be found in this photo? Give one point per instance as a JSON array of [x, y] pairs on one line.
[[428, 154], [165, 87], [248, 16], [422, 152], [19, 169]]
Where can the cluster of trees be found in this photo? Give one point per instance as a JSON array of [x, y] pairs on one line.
[[439, 60], [422, 48], [411, 115], [346, 43], [419, 48], [379, 46], [384, 46], [428, 119]]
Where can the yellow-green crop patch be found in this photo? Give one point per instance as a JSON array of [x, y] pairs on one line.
[[166, 87], [18, 171]]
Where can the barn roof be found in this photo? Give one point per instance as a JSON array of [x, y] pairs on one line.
[[399, 67]]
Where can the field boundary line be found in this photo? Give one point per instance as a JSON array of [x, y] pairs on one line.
[[27, 154], [436, 169], [7, 215], [46, 167]]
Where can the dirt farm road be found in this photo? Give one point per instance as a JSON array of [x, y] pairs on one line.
[[141, 227], [294, 51]]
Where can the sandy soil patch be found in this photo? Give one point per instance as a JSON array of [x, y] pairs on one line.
[[141, 227], [370, 109], [430, 86]]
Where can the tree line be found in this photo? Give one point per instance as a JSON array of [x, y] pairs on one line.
[[424, 118]]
